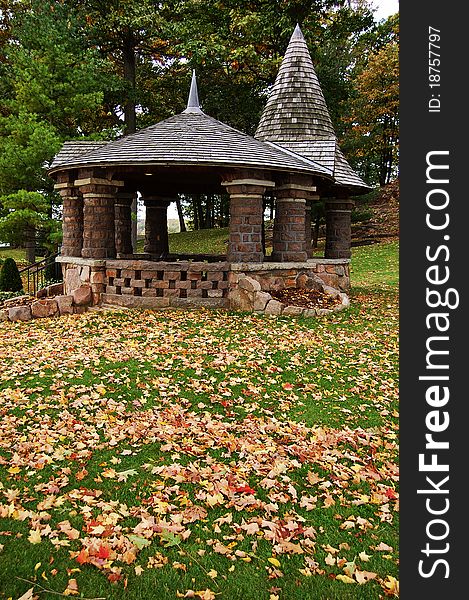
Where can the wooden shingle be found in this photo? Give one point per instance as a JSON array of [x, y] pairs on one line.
[[296, 116]]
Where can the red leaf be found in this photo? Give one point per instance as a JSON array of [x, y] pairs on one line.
[[103, 552], [245, 489], [82, 557]]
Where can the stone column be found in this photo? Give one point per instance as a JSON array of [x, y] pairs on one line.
[[289, 236], [123, 222], [246, 218], [72, 217], [156, 225], [308, 224], [338, 227], [99, 196]]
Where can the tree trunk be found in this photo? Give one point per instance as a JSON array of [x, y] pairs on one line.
[[182, 225], [128, 55], [30, 244], [317, 224], [200, 212], [130, 119], [195, 211]]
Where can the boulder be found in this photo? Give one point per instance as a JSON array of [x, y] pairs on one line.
[[249, 284], [47, 307], [64, 304], [72, 280], [19, 313], [274, 307], [240, 300], [82, 296], [260, 300]]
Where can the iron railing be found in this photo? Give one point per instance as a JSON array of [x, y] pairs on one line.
[[34, 275]]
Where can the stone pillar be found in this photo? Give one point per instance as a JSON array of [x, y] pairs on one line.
[[246, 219], [338, 227], [156, 225], [308, 225], [123, 222], [72, 217], [99, 196], [289, 236]]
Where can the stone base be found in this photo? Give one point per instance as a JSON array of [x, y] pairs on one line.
[[150, 284]]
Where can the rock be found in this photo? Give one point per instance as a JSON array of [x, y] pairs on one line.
[[72, 280], [79, 310], [51, 290], [240, 300], [85, 274], [249, 284], [293, 310], [18, 301], [65, 304], [334, 292], [82, 296], [260, 300], [41, 293], [274, 307], [97, 277], [46, 307], [345, 300], [19, 313], [55, 289], [309, 312]]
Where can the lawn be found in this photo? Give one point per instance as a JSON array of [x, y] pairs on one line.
[[206, 455]]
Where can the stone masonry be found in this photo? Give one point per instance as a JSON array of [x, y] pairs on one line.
[[246, 219], [338, 228]]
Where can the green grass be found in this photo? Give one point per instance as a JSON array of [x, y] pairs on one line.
[[18, 254], [182, 401], [203, 241]]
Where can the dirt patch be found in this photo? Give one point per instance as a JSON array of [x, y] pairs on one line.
[[306, 298]]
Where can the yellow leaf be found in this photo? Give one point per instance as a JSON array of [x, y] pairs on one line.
[[34, 536], [329, 560], [345, 579], [212, 573], [364, 556], [138, 570], [274, 561], [72, 588], [14, 470]]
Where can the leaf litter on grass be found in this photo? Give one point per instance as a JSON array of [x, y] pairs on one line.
[[129, 437]]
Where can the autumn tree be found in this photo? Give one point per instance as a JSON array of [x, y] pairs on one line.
[[372, 137]]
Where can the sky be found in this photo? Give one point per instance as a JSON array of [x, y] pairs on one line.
[[385, 8]]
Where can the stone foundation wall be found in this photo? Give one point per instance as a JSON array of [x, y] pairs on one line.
[[278, 276], [82, 273], [164, 284]]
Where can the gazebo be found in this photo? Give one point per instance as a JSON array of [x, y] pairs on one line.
[[293, 157]]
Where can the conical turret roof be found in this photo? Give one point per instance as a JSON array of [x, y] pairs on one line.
[[188, 138], [296, 115]]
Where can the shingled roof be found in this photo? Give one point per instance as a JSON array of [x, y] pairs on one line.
[[189, 138], [296, 115], [71, 150]]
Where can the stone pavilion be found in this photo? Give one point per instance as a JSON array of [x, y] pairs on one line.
[[294, 157]]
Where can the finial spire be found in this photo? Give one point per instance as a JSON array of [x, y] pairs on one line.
[[297, 33], [193, 105]]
